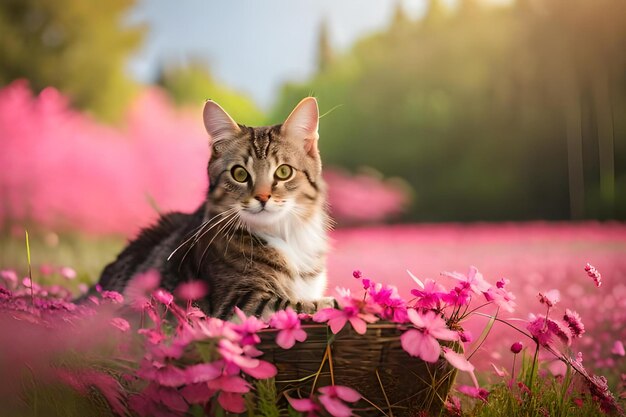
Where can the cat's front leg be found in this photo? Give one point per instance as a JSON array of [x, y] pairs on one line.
[[310, 307], [263, 305]]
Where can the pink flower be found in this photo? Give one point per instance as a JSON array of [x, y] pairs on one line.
[[202, 372], [231, 401], [466, 336], [120, 323], [479, 393], [544, 330], [197, 393], [337, 319], [423, 343], [457, 360], [288, 323], [550, 298], [473, 279], [517, 347], [388, 303], [501, 297], [9, 276], [165, 375], [430, 295], [594, 274], [233, 353], [304, 405], [140, 287], [357, 312], [453, 406], [229, 383], [357, 274], [574, 323], [155, 397], [333, 397], [458, 296], [191, 290], [163, 297], [83, 288], [67, 272], [113, 296], [618, 348], [248, 328]]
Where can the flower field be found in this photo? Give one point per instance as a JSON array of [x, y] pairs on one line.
[[534, 257], [533, 287]]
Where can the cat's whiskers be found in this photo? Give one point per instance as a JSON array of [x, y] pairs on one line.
[[231, 232], [224, 216], [231, 218], [199, 233]]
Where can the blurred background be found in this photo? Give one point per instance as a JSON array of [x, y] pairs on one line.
[[453, 132], [462, 110]]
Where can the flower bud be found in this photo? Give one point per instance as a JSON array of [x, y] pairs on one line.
[[516, 347]]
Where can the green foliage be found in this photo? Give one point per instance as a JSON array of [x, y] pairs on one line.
[[509, 402], [267, 399], [489, 113], [79, 47], [193, 84], [86, 255], [58, 400], [537, 393]]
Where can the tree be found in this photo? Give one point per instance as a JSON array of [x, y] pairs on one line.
[[79, 47], [325, 51]]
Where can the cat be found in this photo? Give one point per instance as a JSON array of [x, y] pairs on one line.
[[259, 240]]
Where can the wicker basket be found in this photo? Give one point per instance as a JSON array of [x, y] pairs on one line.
[[391, 381]]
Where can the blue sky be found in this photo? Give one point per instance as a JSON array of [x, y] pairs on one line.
[[254, 46]]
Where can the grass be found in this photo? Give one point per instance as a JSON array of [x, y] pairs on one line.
[[86, 254]]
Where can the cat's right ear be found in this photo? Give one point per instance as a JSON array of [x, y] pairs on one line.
[[218, 124]]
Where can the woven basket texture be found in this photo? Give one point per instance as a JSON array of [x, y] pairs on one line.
[[393, 382]]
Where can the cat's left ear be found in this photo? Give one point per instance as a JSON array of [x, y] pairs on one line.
[[302, 124], [219, 125]]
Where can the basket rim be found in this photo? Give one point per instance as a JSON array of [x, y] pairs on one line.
[[377, 325]]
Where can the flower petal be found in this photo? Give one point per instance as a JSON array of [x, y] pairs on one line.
[[232, 402], [347, 394], [202, 372], [412, 341], [285, 339], [359, 325], [337, 323], [196, 393], [304, 404], [335, 406], [263, 370], [230, 384], [415, 318], [457, 360]]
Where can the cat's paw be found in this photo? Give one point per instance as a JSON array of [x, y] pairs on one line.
[[326, 302], [311, 307]]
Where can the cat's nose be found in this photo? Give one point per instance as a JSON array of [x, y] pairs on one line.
[[262, 198]]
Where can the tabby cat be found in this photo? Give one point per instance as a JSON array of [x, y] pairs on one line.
[[259, 240]]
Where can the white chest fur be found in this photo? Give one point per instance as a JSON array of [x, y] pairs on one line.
[[303, 245]]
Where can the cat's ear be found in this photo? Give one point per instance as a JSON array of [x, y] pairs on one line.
[[302, 124], [219, 125]]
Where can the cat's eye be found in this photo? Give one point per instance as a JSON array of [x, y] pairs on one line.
[[283, 172], [239, 173]]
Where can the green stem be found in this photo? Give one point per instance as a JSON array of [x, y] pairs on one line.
[[533, 368]]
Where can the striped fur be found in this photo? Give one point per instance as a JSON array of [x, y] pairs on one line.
[[259, 244]]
